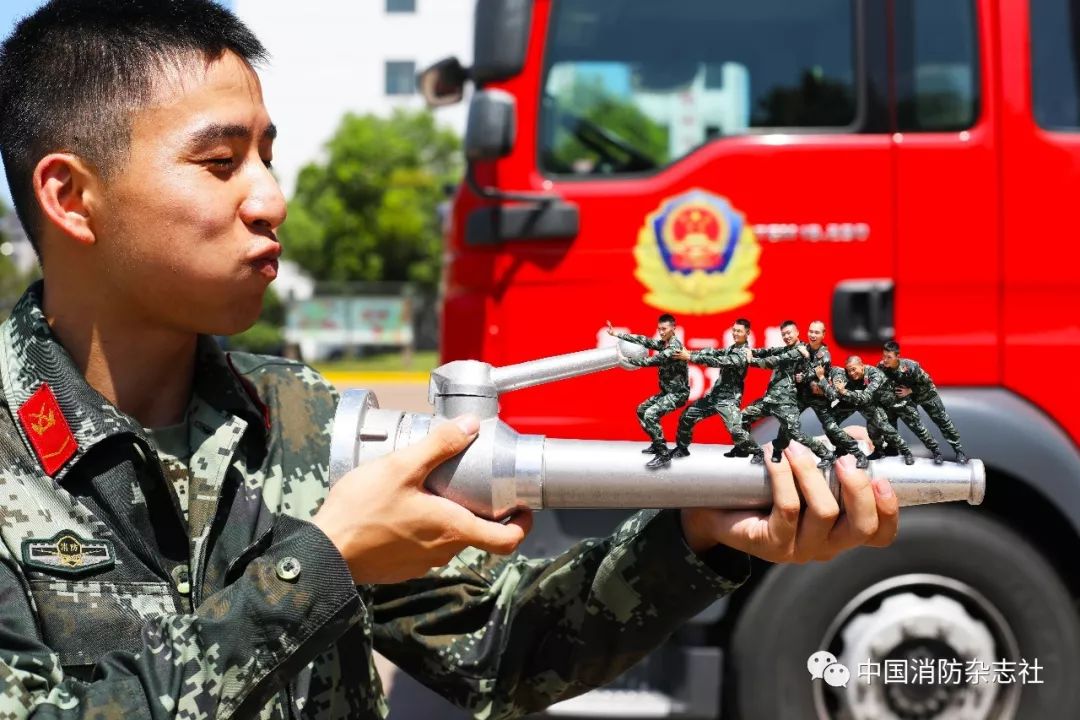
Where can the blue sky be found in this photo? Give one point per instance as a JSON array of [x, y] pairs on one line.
[[10, 12]]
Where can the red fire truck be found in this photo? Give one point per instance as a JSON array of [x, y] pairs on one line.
[[901, 169]]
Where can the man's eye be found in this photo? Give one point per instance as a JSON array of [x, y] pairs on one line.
[[221, 162]]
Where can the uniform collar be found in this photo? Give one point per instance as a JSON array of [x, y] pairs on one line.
[[60, 417]]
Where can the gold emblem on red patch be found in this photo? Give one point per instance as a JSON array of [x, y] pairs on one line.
[[47, 429]]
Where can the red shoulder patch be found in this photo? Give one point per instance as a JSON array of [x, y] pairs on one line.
[[47, 429]]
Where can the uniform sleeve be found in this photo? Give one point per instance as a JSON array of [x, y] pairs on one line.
[[714, 358], [833, 374], [225, 660], [771, 360], [663, 355], [508, 636], [866, 395], [650, 343]]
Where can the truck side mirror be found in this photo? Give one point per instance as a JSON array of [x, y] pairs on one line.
[[500, 39], [443, 83], [491, 128]]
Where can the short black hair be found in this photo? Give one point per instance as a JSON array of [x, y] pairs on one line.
[[891, 346], [744, 322], [667, 318], [786, 323], [72, 72]]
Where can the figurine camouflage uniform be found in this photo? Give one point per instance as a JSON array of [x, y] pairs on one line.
[[781, 401], [723, 399], [113, 604], [813, 393], [674, 389], [865, 391], [905, 373]]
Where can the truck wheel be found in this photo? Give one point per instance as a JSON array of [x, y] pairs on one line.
[[954, 587]]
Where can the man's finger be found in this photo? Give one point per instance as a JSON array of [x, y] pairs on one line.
[[821, 507], [496, 537], [443, 442], [888, 513], [784, 518], [860, 519]]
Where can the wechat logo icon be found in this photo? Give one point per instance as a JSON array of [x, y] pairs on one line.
[[823, 666]]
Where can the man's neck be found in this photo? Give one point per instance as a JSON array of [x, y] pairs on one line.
[[145, 371]]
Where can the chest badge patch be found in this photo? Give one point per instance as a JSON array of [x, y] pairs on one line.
[[68, 554]]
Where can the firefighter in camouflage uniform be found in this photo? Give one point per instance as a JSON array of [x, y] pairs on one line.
[[674, 384], [914, 389], [724, 396]]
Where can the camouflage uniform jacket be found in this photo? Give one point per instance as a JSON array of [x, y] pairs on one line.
[[818, 358], [111, 608], [674, 373], [784, 362], [732, 363], [873, 389], [910, 374]]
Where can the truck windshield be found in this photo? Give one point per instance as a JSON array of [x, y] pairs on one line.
[[632, 85]]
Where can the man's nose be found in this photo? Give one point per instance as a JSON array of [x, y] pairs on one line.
[[265, 204]]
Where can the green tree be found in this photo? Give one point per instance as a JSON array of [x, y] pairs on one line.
[[266, 335], [12, 282], [369, 212]]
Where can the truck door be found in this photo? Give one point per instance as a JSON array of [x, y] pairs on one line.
[[947, 188], [1041, 170]]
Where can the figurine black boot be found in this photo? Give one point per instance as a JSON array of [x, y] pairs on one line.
[[777, 454], [736, 452], [662, 459], [654, 449], [680, 451], [757, 457], [909, 459], [861, 461], [826, 461], [876, 455], [961, 457], [938, 457]]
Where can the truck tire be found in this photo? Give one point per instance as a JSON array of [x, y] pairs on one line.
[[954, 582]]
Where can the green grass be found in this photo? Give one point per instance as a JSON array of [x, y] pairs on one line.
[[424, 361]]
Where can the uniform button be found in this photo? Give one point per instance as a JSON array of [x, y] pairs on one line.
[[182, 579], [288, 568]]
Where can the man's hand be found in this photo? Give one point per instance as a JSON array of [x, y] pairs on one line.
[[903, 392], [820, 371], [389, 528], [788, 534], [683, 355], [610, 329], [804, 352], [839, 385]]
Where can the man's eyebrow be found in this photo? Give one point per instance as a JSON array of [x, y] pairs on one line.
[[216, 133]]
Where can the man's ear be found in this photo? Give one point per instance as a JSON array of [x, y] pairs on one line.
[[66, 189]]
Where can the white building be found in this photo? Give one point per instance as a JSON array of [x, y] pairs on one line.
[[329, 57]]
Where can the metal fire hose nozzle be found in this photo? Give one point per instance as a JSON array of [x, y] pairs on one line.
[[504, 471]]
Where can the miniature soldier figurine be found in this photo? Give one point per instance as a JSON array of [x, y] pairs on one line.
[[914, 384], [812, 393], [780, 399], [723, 398], [862, 387], [674, 384]]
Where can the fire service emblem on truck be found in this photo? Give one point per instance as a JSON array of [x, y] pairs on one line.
[[697, 255]]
